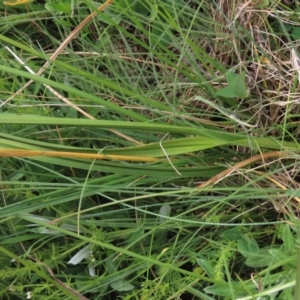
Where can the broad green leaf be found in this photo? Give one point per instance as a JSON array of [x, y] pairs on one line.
[[279, 254], [230, 77], [236, 86], [263, 258], [122, 285], [164, 211], [239, 86], [247, 246], [135, 235], [262, 4], [59, 7], [226, 92], [296, 33], [80, 255], [206, 266], [288, 239], [232, 234], [222, 290], [110, 265], [160, 33], [141, 8]]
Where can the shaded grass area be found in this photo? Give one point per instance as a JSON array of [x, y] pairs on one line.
[[203, 95]]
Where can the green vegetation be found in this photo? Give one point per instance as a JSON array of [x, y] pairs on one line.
[[156, 157]]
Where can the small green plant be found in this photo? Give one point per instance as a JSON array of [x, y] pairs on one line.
[[266, 259], [236, 86]]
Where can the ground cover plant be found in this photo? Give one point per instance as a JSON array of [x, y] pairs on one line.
[[155, 155]]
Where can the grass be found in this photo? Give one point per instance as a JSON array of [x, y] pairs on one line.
[[156, 157]]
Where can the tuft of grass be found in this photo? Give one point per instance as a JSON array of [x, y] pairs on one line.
[[156, 157]]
